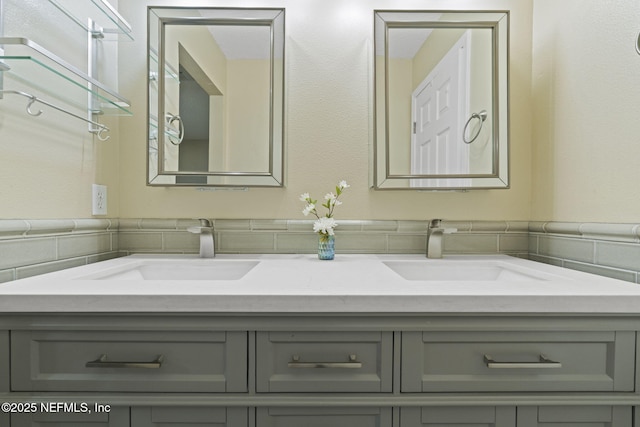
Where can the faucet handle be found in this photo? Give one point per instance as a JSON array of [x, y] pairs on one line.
[[204, 222], [435, 223]]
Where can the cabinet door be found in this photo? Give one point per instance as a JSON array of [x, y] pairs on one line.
[[572, 416], [129, 361], [4, 361], [518, 361], [324, 362], [195, 416], [454, 416], [323, 417], [116, 417]]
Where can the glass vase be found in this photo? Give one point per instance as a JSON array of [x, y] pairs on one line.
[[326, 246]]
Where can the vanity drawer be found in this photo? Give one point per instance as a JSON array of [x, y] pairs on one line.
[[177, 361], [517, 361], [324, 361]]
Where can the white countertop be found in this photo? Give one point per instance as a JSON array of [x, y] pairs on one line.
[[304, 284]]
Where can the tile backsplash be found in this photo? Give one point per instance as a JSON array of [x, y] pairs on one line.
[[611, 250], [30, 247]]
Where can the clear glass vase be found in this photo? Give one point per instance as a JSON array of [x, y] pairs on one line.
[[326, 246]]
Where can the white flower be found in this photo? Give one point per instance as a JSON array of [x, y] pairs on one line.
[[329, 196], [343, 184], [304, 197], [308, 209], [325, 225]]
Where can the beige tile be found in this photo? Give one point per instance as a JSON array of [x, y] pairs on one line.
[[572, 228], [94, 225], [622, 255], [181, 242], [50, 226], [269, 224], [300, 225], [7, 275], [461, 226], [513, 242], [461, 243], [13, 228], [407, 244], [547, 260], [128, 224], [533, 244], [570, 248], [517, 226], [413, 226], [628, 276], [367, 226], [83, 244], [140, 241], [296, 242], [35, 270], [489, 226], [246, 242], [536, 226], [103, 257], [617, 232], [232, 224], [158, 224], [19, 252], [354, 242]]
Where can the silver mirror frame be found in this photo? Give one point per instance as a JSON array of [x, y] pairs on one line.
[[275, 19], [498, 22]]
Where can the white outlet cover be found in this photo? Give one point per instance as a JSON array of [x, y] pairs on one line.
[[99, 199]]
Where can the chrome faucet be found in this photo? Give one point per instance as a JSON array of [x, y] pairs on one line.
[[434, 238], [205, 230]]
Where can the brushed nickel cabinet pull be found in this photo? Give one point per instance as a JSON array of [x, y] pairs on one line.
[[102, 362], [543, 362], [351, 364]]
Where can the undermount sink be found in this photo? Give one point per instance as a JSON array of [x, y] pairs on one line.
[[461, 271], [175, 270]]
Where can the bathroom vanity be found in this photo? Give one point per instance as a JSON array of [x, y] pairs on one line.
[[292, 341]]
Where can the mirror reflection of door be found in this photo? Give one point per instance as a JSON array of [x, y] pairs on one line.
[[439, 105]]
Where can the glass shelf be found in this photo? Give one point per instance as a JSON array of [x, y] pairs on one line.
[[169, 72], [100, 11], [38, 68]]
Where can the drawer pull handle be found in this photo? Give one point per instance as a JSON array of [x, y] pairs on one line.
[[351, 364], [102, 362], [543, 362]]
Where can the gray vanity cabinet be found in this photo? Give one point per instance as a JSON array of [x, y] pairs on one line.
[[117, 417], [324, 362], [572, 416], [458, 416], [521, 416], [4, 362], [195, 416], [129, 361], [324, 417], [522, 361]]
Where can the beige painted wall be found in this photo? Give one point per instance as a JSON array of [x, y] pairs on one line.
[[328, 126], [586, 92], [48, 163]]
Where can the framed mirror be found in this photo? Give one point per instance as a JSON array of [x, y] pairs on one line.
[[215, 97], [441, 100]]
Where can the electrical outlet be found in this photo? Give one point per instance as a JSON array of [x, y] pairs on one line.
[[99, 199]]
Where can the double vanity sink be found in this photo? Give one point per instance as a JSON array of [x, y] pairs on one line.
[[217, 269], [304, 284]]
